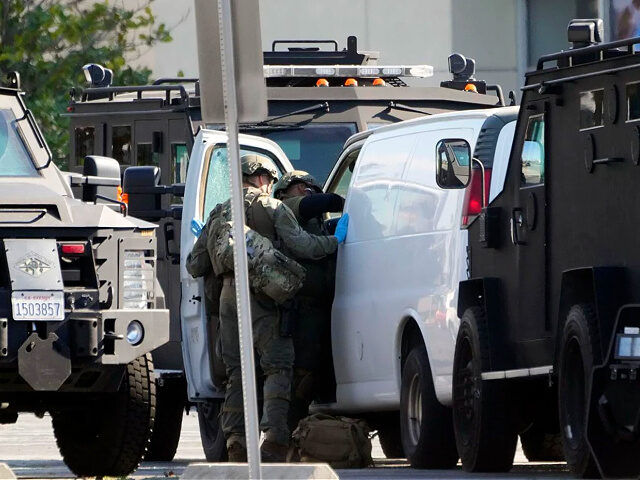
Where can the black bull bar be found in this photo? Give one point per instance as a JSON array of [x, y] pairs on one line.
[[613, 422]]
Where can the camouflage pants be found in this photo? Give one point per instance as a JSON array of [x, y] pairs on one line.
[[276, 360]]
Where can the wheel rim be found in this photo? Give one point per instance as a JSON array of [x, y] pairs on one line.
[[414, 417], [466, 392], [573, 383]]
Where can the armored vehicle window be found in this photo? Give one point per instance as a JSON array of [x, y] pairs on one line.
[[314, 147], [591, 108], [533, 152], [633, 101], [179, 162], [15, 160], [121, 141], [145, 155], [218, 186], [85, 142]]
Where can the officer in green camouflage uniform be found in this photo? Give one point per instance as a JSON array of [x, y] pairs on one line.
[[274, 220], [313, 366]]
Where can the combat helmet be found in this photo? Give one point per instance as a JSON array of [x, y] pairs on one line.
[[252, 163], [295, 176]]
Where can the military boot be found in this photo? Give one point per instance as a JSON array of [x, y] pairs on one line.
[[271, 452], [237, 453]]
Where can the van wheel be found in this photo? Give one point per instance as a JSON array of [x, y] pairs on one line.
[[170, 400], [426, 427], [109, 437], [485, 433], [211, 434], [540, 446], [579, 352]]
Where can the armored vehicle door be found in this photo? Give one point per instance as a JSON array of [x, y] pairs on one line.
[[528, 221], [208, 184]]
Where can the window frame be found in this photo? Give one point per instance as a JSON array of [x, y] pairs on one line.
[[542, 115], [593, 127], [205, 169]]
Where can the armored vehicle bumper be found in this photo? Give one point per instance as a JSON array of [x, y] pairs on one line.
[[60, 325]]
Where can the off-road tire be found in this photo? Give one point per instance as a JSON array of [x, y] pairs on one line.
[[540, 446], [110, 436], [388, 426], [170, 401], [486, 435], [579, 352], [426, 426], [214, 444]]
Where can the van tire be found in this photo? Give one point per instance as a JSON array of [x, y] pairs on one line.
[[579, 352], [426, 426], [212, 438], [110, 436], [170, 401], [486, 436]]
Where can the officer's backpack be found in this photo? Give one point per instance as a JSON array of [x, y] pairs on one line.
[[270, 272], [339, 441]]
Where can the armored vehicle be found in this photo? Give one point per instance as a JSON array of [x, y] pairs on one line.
[[550, 324], [316, 99], [80, 306]]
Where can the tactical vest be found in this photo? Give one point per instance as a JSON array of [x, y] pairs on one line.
[[270, 271]]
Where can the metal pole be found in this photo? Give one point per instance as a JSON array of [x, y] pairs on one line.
[[241, 267]]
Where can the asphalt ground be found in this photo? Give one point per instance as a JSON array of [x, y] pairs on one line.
[[30, 450]]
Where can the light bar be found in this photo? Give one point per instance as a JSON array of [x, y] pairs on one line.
[[371, 71]]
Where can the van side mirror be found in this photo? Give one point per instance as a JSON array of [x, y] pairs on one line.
[[98, 170], [140, 184], [453, 163]]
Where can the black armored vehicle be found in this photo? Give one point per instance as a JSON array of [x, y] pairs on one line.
[[80, 306], [550, 317], [317, 98]]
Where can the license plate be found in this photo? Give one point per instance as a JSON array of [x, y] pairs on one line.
[[33, 306]]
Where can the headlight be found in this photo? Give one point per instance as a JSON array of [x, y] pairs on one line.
[[137, 280], [628, 344], [135, 332]]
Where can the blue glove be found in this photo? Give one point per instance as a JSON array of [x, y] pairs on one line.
[[196, 227], [341, 228]]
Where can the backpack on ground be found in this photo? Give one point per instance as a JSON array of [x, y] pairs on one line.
[[339, 441]]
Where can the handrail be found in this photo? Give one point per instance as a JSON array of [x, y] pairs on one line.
[[139, 89], [599, 48]]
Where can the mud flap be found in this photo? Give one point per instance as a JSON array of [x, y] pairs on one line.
[[44, 364], [613, 423]]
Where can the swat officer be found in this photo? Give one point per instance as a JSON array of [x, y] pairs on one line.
[[312, 336], [272, 219]]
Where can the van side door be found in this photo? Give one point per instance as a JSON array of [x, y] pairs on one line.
[[208, 184]]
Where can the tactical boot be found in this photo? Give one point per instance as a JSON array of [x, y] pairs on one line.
[[237, 453], [272, 452]]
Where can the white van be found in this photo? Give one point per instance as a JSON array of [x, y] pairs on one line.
[[394, 323]]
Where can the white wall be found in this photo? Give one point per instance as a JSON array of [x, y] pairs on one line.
[[403, 31]]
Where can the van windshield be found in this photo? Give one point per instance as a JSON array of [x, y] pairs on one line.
[[15, 160], [314, 147]]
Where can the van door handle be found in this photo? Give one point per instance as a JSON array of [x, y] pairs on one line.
[[517, 222]]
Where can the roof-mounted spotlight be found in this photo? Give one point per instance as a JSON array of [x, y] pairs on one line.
[[583, 32], [462, 68], [97, 75]]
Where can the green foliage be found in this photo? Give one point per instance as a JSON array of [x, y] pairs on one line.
[[48, 42]]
